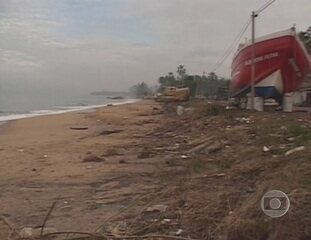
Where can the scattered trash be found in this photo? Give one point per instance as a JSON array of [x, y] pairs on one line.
[[180, 110], [68, 207], [89, 167], [243, 120], [183, 156], [21, 150], [291, 139], [283, 128], [166, 220], [297, 149], [45, 156], [265, 149], [179, 231], [157, 208]]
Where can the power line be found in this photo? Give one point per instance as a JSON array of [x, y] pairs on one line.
[[232, 46], [267, 4], [238, 37]]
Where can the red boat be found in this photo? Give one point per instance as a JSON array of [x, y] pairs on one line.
[[281, 64]]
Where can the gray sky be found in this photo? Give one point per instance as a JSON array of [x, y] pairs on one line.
[[87, 45]]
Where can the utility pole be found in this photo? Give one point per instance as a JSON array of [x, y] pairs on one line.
[[254, 15], [253, 50]]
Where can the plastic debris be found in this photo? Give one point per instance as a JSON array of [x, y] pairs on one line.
[[297, 149], [157, 208], [180, 110]]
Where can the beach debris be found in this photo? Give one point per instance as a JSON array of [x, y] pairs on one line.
[[108, 132], [92, 158], [265, 149], [179, 231], [29, 232], [89, 167], [79, 128], [179, 110], [297, 149], [45, 156], [243, 120], [157, 208], [291, 139], [275, 135], [283, 128], [166, 220], [199, 148], [68, 207], [215, 175], [21, 150], [215, 147], [183, 156], [207, 147]]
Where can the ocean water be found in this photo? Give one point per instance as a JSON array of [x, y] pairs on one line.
[[19, 104]]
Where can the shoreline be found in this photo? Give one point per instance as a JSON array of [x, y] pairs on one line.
[[5, 119]]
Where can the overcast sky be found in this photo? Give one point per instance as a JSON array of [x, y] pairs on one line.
[[88, 45]]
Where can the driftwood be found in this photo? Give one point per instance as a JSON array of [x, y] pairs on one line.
[[47, 217], [79, 128], [98, 237], [10, 225], [108, 132]]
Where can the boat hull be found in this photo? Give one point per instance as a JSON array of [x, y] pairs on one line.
[[281, 64]]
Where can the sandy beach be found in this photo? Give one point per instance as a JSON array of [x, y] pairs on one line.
[[45, 158], [139, 169]]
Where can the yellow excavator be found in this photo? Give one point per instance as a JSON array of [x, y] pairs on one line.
[[173, 94]]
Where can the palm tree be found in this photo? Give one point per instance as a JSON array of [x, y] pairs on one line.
[[181, 71]]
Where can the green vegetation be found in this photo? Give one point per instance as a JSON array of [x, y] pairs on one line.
[[204, 86], [210, 86], [301, 133], [141, 90], [306, 38], [213, 110]]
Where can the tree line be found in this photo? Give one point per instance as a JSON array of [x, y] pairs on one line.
[[209, 85], [305, 36]]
